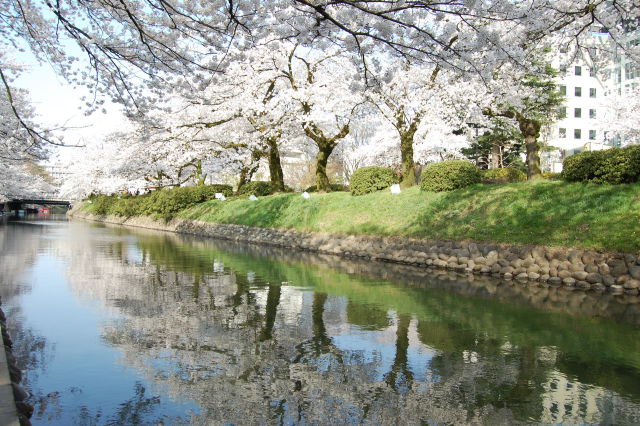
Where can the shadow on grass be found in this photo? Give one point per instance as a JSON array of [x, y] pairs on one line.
[[285, 211]]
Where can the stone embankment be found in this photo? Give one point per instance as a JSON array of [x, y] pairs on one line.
[[14, 408], [573, 268]]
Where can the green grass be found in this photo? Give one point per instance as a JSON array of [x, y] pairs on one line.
[[551, 213]]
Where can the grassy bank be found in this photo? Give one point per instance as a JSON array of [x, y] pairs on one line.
[[549, 213]]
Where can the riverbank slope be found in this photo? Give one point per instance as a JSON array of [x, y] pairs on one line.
[[549, 213]]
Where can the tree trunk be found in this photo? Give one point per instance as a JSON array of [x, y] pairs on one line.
[[247, 172], [495, 157], [322, 180], [275, 166], [533, 158], [244, 177], [406, 158], [531, 131], [199, 177], [325, 145]]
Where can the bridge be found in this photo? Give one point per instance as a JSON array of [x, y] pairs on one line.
[[30, 205]]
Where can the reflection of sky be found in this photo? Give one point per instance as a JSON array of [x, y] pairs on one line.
[[82, 368], [73, 310], [134, 254], [376, 348]]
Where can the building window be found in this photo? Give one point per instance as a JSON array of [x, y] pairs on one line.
[[577, 134], [592, 113], [562, 133], [592, 72], [592, 92], [592, 135], [578, 91], [563, 90], [578, 70], [563, 112], [577, 112], [618, 76]]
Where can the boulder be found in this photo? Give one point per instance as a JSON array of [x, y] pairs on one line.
[[634, 271], [580, 275], [594, 278]]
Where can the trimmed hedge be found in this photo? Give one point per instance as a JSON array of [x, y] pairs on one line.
[[614, 166], [449, 175], [260, 188], [334, 188], [371, 179], [164, 203], [503, 175]]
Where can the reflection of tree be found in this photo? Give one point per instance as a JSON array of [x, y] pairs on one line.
[[135, 410], [251, 350], [320, 343], [400, 376], [273, 299], [19, 246]]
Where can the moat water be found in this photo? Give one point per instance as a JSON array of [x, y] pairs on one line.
[[114, 325]]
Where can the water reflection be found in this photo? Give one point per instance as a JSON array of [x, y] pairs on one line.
[[208, 332]]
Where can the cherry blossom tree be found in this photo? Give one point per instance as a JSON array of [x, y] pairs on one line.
[[409, 97], [133, 50], [92, 169], [21, 143], [326, 100], [280, 92], [431, 144], [621, 118], [531, 101]]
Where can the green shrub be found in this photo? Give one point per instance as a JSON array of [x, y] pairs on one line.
[[163, 203], [370, 179], [552, 176], [503, 175], [449, 175], [260, 189], [125, 206], [614, 166], [168, 202], [208, 192], [257, 188], [334, 187], [580, 167], [102, 204]]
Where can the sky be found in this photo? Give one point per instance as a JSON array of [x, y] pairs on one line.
[[58, 104]]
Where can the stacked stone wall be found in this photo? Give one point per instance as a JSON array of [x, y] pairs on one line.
[[579, 269]]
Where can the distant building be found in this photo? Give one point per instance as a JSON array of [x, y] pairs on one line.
[[57, 172], [585, 85]]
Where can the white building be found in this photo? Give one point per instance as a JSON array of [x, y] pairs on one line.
[[585, 87], [577, 129]]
